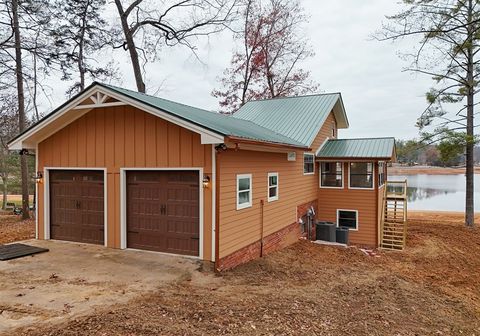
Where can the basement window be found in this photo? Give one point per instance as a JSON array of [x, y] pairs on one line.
[[308, 164], [272, 187], [244, 191], [348, 218], [331, 174], [361, 175]]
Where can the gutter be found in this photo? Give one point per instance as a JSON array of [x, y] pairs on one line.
[[236, 139]]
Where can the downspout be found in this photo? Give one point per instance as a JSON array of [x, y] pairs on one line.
[[262, 203], [217, 207]]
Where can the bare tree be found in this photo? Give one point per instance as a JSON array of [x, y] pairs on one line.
[[448, 32], [267, 65], [146, 27], [8, 128], [80, 33]]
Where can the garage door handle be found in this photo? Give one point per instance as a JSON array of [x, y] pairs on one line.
[[130, 231], [196, 238]]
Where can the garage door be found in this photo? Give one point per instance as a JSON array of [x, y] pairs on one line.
[[77, 206], [163, 211]]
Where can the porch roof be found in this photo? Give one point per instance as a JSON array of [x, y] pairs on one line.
[[364, 148]]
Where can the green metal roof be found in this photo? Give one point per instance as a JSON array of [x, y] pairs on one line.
[[216, 122], [374, 148], [299, 118]]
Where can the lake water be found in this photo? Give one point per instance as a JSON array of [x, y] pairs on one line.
[[438, 192]]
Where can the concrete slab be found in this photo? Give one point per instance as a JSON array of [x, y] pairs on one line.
[[73, 279]]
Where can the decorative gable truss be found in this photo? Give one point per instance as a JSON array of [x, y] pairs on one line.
[[98, 99]]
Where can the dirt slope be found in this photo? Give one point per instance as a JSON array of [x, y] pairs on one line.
[[433, 288]]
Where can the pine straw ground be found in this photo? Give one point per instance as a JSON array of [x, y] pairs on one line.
[[433, 288], [13, 229]]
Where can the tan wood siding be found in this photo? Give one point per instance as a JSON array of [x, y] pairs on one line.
[[325, 132], [123, 136], [239, 228], [364, 201]]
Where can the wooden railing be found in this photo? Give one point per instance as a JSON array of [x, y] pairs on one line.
[[393, 222]]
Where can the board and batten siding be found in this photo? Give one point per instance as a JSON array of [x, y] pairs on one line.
[[365, 201], [125, 137]]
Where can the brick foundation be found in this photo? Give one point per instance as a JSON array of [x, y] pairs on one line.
[[273, 242], [302, 210]]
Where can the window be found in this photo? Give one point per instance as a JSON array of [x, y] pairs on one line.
[[244, 191], [334, 129], [361, 175], [331, 174], [348, 218], [272, 187], [308, 163], [381, 174]]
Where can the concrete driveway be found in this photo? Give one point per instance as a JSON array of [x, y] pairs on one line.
[[73, 279]]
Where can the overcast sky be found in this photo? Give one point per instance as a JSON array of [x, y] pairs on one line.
[[379, 98]]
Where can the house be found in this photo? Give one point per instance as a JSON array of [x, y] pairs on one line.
[[128, 170]]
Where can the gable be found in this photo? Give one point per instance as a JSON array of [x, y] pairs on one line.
[[122, 136], [94, 97]]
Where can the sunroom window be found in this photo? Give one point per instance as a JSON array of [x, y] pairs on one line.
[[331, 174], [361, 175], [381, 174], [244, 191]]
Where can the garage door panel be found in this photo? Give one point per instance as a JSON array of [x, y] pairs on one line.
[[77, 206], [163, 211]]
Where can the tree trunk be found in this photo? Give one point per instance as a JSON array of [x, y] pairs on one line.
[[469, 207], [81, 43], [130, 44], [4, 191], [21, 106]]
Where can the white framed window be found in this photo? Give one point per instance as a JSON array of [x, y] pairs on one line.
[[347, 218], [361, 175], [381, 174], [334, 129], [331, 175], [308, 163], [272, 187], [244, 191]]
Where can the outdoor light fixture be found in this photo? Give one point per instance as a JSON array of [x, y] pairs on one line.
[[221, 147], [206, 180], [39, 177]]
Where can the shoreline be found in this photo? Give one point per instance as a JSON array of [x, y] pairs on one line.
[[427, 170]]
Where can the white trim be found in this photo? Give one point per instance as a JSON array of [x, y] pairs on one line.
[[46, 200], [356, 217], [207, 136], [274, 198], [92, 106], [320, 175], [213, 185], [36, 192], [303, 167], [249, 204], [123, 204], [373, 176]]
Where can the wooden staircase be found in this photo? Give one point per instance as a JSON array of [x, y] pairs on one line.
[[393, 223]]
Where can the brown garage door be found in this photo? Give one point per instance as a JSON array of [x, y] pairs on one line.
[[77, 206], [163, 211]]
